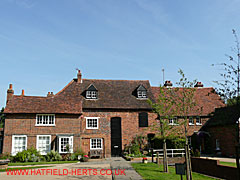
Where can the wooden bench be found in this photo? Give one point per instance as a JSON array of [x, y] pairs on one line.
[[96, 153]]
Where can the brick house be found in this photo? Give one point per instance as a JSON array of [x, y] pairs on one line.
[[99, 116], [222, 130]]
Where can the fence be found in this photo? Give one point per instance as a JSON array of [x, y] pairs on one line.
[[170, 152]]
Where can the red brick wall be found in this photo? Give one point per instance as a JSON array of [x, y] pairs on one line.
[[130, 128], [227, 138], [213, 168], [74, 124], [25, 124]]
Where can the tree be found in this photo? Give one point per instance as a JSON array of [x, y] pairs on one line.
[[229, 86], [164, 110], [2, 118], [174, 102], [185, 104]]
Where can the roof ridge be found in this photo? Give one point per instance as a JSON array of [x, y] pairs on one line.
[[114, 80], [64, 87]]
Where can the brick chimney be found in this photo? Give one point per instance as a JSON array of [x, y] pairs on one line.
[[23, 92], [168, 84], [79, 77], [198, 84], [10, 92]]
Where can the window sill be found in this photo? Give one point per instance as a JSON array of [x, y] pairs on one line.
[[45, 125], [91, 128], [191, 124], [96, 149], [199, 124], [142, 98], [173, 124]]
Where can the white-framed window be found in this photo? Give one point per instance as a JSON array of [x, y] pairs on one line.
[[19, 143], [190, 121], [92, 122], [45, 120], [91, 94], [217, 144], [44, 144], [173, 121], [198, 120], [65, 143], [96, 143], [142, 94]]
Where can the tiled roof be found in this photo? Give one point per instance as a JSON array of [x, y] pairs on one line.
[[206, 100], [228, 115], [55, 104], [112, 94]]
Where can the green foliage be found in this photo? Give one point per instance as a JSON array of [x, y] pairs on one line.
[[195, 153], [30, 155], [53, 156], [6, 156], [2, 118], [228, 87], [137, 145], [172, 142]]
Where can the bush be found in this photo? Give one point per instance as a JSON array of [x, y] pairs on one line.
[[6, 156], [30, 155], [53, 156], [172, 143]]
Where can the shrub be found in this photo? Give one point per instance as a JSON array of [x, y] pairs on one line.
[[172, 143], [5, 156], [53, 156], [30, 155], [84, 158]]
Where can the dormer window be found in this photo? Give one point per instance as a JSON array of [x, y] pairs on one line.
[[141, 92], [91, 95], [91, 92]]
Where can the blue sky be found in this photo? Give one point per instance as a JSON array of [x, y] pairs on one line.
[[42, 42]]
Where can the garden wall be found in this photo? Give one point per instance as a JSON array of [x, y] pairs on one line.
[[213, 168]]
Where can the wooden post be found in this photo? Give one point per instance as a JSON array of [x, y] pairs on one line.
[[152, 155], [158, 158]]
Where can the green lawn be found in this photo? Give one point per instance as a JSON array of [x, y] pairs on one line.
[[152, 171], [39, 163], [33, 167], [228, 164]]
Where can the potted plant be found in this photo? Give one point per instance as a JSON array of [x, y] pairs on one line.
[[145, 160]]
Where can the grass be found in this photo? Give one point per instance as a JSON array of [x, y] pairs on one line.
[[39, 163], [33, 167], [228, 164], [152, 171]]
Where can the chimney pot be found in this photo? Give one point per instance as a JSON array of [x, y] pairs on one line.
[[79, 77], [168, 84], [198, 84], [10, 86], [22, 92]]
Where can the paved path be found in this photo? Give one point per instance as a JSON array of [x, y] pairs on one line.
[[223, 159], [120, 168]]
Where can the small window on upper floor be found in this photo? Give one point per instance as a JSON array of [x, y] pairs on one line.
[[198, 120], [91, 92], [141, 92]]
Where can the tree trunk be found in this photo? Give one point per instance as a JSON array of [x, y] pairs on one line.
[[165, 163], [188, 163]]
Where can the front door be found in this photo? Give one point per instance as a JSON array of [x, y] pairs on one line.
[[116, 137]]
